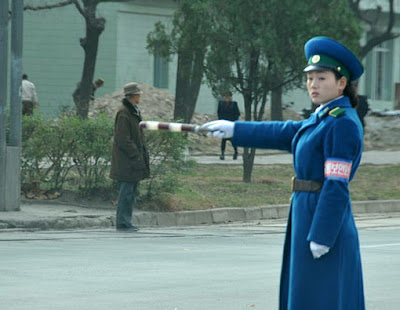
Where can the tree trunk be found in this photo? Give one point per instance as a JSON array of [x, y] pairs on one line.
[[188, 82], [248, 163], [90, 44], [276, 104], [248, 154], [249, 93]]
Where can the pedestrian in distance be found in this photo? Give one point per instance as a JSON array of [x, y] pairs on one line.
[[228, 110], [29, 96], [96, 85], [130, 159], [321, 266]]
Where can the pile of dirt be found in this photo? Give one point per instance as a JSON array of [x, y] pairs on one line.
[[157, 104], [382, 133]]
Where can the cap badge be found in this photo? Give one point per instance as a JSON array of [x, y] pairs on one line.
[[338, 69], [315, 59]]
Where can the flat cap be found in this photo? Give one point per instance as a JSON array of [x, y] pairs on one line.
[[132, 89], [323, 53], [99, 81]]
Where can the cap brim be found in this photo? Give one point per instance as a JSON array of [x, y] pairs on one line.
[[310, 68], [135, 93]]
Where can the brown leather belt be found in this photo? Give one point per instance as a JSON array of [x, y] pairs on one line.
[[306, 185]]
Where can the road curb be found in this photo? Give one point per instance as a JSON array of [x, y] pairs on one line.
[[181, 218], [228, 215]]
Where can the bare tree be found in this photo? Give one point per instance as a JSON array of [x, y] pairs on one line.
[[380, 26], [94, 27], [373, 18]]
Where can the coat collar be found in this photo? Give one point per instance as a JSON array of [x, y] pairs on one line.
[[132, 109], [341, 102]]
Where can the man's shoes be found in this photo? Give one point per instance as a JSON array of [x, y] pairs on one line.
[[128, 229], [222, 157], [235, 155]]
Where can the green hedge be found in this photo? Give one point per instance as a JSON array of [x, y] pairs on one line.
[[73, 153]]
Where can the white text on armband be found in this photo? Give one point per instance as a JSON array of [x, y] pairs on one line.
[[338, 169]]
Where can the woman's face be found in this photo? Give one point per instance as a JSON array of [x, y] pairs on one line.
[[323, 86]]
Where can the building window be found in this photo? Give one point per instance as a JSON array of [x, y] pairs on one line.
[[379, 78], [160, 71]]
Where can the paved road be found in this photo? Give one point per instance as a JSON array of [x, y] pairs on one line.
[[275, 157], [217, 267]]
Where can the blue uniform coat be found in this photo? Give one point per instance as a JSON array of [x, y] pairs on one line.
[[325, 148]]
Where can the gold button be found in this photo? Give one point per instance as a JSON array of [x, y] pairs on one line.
[[338, 68]]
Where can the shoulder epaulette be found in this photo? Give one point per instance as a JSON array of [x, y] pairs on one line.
[[336, 112]]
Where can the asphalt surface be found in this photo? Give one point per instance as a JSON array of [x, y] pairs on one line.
[[216, 267]]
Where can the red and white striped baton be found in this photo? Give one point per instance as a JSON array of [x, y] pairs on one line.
[[175, 127]]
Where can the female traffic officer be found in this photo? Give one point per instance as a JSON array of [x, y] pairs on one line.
[[321, 266]]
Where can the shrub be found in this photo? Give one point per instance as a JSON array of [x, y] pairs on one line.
[[32, 159], [92, 151], [45, 151], [167, 153], [74, 151]]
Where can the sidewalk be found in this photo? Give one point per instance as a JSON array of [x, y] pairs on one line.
[[368, 157], [44, 215], [41, 216]]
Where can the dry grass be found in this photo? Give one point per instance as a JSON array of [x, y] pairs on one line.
[[216, 186]]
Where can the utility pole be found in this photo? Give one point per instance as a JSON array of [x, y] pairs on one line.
[[3, 98], [16, 73], [13, 185]]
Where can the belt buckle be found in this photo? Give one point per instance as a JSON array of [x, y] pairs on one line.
[[293, 182]]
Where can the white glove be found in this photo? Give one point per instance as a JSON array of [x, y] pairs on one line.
[[318, 250], [221, 129]]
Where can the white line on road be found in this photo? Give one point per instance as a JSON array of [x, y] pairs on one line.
[[380, 245]]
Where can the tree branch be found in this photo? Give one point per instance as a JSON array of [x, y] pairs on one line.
[[376, 41], [47, 7], [79, 8], [391, 17], [372, 20]]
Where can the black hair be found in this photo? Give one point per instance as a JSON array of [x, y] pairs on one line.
[[24, 76], [349, 91]]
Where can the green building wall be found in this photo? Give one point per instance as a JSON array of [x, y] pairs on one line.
[[53, 58]]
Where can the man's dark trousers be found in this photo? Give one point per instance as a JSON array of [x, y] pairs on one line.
[[126, 201]]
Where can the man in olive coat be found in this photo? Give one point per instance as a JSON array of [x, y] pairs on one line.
[[130, 159]]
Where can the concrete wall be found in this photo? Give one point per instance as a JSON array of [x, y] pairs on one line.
[[53, 57], [134, 62]]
